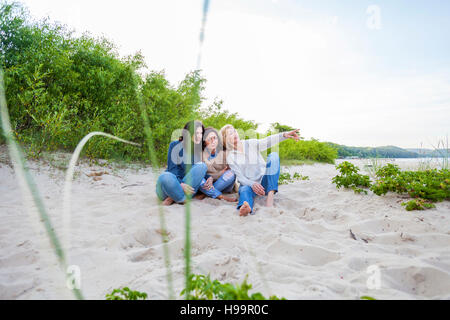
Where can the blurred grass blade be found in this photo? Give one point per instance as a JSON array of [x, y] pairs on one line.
[[187, 245], [155, 169], [20, 167], [202, 32], [69, 178]]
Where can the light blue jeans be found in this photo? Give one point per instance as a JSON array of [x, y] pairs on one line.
[[225, 183], [169, 186], [269, 181]]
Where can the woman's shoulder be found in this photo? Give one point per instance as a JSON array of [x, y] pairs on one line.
[[174, 143]]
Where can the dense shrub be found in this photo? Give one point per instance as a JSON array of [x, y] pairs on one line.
[[307, 150], [215, 116], [170, 108], [350, 178]]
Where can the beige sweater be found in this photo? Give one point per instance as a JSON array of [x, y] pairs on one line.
[[216, 164]]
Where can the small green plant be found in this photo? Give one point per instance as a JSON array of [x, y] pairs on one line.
[[126, 294], [418, 204], [203, 288], [298, 176], [367, 298], [350, 178], [388, 170], [286, 178]]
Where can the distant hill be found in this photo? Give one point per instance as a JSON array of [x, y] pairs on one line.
[[431, 152], [377, 152]]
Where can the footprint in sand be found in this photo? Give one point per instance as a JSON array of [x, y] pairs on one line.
[[424, 281], [142, 238], [303, 254], [25, 258], [143, 255]]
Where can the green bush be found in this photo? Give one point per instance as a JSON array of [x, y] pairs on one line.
[[433, 184], [350, 178], [203, 288], [215, 116], [126, 294], [307, 150], [424, 186], [418, 204]]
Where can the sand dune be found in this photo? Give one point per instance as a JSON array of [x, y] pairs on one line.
[[300, 249]]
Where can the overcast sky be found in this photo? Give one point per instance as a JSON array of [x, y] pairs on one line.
[[360, 73]]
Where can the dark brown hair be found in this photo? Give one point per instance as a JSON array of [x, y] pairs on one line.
[[207, 132]]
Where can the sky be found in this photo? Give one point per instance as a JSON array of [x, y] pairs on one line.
[[353, 72]]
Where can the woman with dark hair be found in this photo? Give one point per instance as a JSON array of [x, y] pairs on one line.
[[185, 171], [219, 176]]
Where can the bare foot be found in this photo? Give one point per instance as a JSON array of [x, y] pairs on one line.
[[269, 201], [245, 209], [227, 198], [168, 201], [200, 196]]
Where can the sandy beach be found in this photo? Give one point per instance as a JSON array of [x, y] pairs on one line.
[[300, 249]]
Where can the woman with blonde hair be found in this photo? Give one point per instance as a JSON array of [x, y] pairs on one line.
[[255, 176]]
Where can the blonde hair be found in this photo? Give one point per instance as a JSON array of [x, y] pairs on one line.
[[223, 133]]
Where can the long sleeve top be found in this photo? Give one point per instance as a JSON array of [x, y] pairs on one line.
[[215, 163], [176, 160], [249, 165]]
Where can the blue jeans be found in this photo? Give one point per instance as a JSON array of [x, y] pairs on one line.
[[169, 186], [225, 183], [269, 181]]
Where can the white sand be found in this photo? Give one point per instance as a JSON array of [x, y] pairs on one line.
[[300, 249]]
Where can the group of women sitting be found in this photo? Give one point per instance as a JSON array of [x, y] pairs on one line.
[[206, 163]]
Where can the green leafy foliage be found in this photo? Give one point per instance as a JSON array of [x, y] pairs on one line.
[[350, 178], [301, 150], [306, 150], [367, 298], [417, 204], [286, 178], [424, 187], [430, 184], [215, 116], [169, 108], [126, 294], [203, 288]]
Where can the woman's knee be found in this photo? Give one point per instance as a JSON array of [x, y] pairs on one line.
[[167, 178], [245, 189], [201, 167], [229, 176], [274, 156]]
